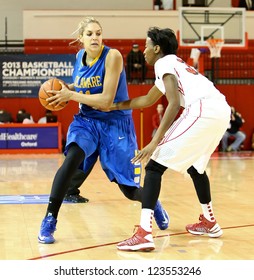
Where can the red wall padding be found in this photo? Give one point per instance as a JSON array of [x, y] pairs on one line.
[[239, 96]]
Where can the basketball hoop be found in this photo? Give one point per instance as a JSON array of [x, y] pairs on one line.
[[215, 46]]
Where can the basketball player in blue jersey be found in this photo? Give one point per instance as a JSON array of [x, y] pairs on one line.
[[99, 80]]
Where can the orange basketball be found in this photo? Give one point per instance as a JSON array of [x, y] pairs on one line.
[[51, 84]]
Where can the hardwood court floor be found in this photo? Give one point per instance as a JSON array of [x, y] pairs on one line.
[[90, 231]]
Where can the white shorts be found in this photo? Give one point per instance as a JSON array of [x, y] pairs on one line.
[[194, 136]]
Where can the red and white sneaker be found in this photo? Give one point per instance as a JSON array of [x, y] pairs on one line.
[[140, 241], [212, 229]]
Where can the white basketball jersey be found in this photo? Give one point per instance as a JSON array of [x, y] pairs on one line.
[[191, 84], [193, 137]]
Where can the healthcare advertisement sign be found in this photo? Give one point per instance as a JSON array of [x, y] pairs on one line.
[[29, 137]]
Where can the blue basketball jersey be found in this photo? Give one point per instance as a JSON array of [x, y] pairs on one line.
[[90, 79], [109, 136]]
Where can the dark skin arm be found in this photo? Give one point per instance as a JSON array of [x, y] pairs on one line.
[[169, 116], [139, 102]]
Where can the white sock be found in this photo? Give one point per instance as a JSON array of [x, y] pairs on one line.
[[208, 211], [146, 219]]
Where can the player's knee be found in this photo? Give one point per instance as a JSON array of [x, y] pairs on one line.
[[192, 171], [129, 195], [129, 192], [155, 167]]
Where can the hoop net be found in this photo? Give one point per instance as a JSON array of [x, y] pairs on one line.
[[215, 46]]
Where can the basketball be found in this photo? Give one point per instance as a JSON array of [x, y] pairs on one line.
[[51, 84]]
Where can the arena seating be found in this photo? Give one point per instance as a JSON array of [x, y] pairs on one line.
[[61, 46], [233, 64]]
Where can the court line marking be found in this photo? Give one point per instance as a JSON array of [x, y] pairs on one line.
[[114, 243]]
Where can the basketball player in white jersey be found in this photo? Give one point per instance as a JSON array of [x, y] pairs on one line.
[[184, 144]]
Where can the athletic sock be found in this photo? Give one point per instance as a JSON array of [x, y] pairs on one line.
[[208, 211], [146, 219]]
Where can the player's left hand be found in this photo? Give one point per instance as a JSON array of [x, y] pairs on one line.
[[59, 96], [145, 153]]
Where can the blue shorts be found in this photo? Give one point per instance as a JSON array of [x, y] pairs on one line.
[[113, 140]]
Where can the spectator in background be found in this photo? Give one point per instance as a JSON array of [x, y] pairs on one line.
[[195, 54], [136, 63], [157, 4], [236, 123], [48, 114], [247, 4], [156, 118], [24, 117], [5, 117]]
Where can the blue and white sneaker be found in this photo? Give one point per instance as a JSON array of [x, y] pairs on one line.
[[48, 226], [161, 216]]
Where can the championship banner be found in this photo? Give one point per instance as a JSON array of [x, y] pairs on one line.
[[22, 75]]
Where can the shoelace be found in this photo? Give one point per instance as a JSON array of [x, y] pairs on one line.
[[202, 225], [49, 226], [134, 239]]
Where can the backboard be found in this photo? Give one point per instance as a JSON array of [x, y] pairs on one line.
[[197, 25]]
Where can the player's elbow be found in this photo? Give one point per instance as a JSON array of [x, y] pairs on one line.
[[178, 106], [106, 105]]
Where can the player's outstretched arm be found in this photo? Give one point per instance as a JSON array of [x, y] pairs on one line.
[[139, 102]]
